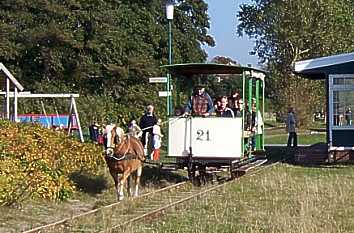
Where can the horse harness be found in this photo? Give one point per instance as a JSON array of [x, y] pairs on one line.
[[125, 155]]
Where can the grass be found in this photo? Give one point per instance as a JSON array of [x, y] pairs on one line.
[[303, 138], [273, 123], [283, 198], [275, 133], [95, 192]]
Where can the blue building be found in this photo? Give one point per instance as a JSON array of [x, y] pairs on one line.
[[338, 73]]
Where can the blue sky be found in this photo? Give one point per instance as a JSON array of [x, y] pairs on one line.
[[223, 23]]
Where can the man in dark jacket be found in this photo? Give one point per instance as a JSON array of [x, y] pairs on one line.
[[147, 121], [291, 127], [223, 110]]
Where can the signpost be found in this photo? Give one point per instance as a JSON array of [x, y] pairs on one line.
[[164, 93], [158, 80]]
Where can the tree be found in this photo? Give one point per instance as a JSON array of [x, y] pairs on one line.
[[99, 47], [224, 60], [287, 31]]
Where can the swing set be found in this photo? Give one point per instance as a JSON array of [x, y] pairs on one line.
[[68, 122]]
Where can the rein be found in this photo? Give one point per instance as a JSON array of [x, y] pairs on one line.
[[164, 122], [129, 135], [115, 158], [124, 156]]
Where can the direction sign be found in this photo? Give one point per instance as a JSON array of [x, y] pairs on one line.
[[164, 93], [158, 80]]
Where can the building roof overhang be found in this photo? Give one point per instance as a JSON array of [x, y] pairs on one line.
[[314, 68]]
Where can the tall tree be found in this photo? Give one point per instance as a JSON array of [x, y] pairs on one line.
[[290, 30], [100, 47]]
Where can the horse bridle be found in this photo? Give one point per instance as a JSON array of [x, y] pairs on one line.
[[110, 153], [109, 149]]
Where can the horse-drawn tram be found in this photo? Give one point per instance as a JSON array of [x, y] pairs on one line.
[[215, 140]]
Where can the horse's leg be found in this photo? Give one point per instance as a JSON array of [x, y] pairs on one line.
[[116, 181], [137, 180], [122, 183], [129, 190]]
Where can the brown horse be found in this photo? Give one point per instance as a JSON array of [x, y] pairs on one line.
[[124, 154]]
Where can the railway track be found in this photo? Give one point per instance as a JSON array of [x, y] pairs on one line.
[[117, 216]]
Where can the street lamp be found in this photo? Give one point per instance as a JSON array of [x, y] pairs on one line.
[[169, 16]]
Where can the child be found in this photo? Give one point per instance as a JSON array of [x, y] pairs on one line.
[[156, 130], [134, 129]]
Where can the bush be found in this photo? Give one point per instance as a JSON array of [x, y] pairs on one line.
[[36, 162]]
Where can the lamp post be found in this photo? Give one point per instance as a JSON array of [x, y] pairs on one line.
[[169, 16]]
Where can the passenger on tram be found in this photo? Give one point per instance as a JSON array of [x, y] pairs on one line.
[[254, 126], [217, 103], [236, 95], [233, 104], [237, 107], [247, 117], [223, 110], [200, 103]]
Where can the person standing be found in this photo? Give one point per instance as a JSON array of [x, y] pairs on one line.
[[157, 136], [291, 127], [147, 121], [94, 132]]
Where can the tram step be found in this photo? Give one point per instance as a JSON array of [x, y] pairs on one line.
[[251, 165], [168, 167]]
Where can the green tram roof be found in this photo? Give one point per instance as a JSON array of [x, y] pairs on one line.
[[189, 69]]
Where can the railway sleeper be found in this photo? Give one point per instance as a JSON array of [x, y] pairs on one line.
[[240, 171]]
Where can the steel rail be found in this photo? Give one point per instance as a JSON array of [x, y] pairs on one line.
[[65, 220], [185, 199], [192, 194]]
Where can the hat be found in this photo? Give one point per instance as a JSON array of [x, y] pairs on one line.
[[198, 86]]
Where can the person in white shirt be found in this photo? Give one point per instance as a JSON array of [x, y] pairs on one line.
[[134, 129], [157, 135]]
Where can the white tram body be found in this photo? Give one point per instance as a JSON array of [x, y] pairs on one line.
[[205, 137]]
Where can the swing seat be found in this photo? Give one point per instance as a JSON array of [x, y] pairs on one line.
[[50, 120]]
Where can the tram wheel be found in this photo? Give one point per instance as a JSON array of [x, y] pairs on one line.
[[203, 179], [191, 173]]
